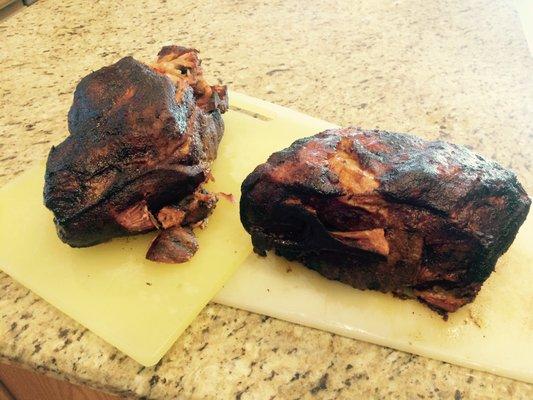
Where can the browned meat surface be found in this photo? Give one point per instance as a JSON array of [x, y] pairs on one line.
[[142, 139], [386, 211]]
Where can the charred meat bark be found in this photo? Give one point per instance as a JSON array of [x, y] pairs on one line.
[[386, 211], [142, 139]]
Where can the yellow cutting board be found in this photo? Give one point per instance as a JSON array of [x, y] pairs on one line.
[[138, 306]]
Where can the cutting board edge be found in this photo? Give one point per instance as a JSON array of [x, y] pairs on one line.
[[145, 361], [381, 341], [272, 110]]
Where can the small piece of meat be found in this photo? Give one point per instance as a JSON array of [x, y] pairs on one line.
[[142, 139], [198, 206], [173, 245], [445, 300], [170, 216], [228, 196], [386, 211], [191, 210]]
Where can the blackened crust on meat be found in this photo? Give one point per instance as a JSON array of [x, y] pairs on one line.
[[139, 140], [386, 211]]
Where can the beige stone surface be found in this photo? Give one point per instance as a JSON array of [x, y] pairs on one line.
[[457, 70]]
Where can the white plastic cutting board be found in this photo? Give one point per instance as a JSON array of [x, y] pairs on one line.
[[495, 333]]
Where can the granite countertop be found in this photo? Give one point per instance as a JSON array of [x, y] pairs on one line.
[[457, 70]]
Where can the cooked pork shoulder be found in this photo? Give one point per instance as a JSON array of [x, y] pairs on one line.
[[386, 211], [142, 139]]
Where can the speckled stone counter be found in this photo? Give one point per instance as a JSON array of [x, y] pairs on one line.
[[456, 70]]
